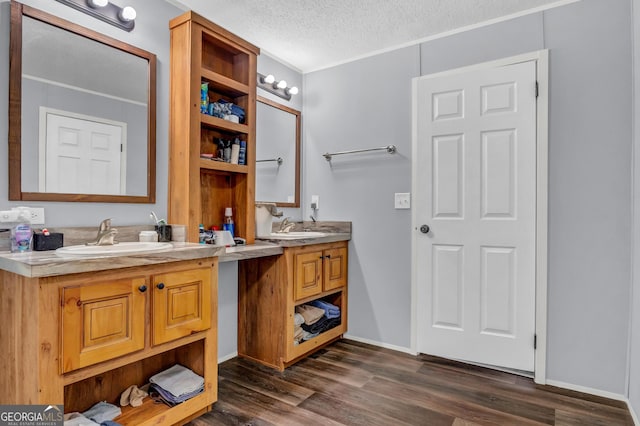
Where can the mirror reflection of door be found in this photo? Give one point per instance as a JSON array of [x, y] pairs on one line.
[[81, 154]]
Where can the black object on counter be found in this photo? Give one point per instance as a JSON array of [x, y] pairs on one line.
[[42, 242]]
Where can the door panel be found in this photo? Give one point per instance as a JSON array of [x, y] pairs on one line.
[[181, 304], [476, 189], [448, 176], [335, 268], [101, 322], [447, 301], [308, 274]]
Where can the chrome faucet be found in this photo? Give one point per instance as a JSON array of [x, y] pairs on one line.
[[106, 235], [285, 225]]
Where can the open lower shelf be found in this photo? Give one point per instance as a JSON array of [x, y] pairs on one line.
[[150, 411], [304, 348]]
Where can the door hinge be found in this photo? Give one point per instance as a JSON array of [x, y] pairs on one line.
[[122, 147], [535, 341], [537, 89]]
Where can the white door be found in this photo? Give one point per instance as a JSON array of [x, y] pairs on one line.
[[475, 188], [83, 155]]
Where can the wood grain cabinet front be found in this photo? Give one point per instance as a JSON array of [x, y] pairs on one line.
[[102, 321], [319, 271], [181, 304], [270, 289]]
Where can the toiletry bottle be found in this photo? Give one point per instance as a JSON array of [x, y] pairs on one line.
[[202, 236], [228, 224], [21, 233], [242, 157]]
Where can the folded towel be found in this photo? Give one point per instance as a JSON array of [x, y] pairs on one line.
[[171, 399], [297, 333], [322, 325], [298, 319], [102, 411], [178, 380], [311, 314], [330, 311], [77, 419]]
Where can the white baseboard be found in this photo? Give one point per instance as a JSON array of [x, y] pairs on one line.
[[227, 357], [584, 389], [380, 344], [634, 416]]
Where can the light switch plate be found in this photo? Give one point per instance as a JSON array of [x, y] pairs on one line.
[[315, 202], [403, 200]]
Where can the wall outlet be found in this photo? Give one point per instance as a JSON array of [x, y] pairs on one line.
[[315, 202], [403, 200], [36, 214]]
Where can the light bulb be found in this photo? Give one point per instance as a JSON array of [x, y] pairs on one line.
[[269, 79], [281, 84], [127, 14], [98, 3], [292, 90]]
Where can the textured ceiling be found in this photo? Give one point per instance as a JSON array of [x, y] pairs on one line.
[[313, 34]]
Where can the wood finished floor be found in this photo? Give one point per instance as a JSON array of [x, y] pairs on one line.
[[351, 383]]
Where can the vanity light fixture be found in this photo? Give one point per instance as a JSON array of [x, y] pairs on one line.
[[278, 88], [98, 3], [121, 17], [269, 79]]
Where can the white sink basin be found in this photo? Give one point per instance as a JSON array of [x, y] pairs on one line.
[[295, 235], [120, 248]]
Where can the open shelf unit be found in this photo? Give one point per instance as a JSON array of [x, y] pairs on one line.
[[267, 289], [200, 189]]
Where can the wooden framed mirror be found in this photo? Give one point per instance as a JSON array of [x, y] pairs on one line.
[[82, 113], [277, 153]]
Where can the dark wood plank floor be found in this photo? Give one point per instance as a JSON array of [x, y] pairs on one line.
[[351, 383]]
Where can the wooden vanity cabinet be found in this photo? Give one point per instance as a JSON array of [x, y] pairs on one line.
[[83, 338], [271, 287], [319, 270]]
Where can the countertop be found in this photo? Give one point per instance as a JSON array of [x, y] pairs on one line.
[[48, 263], [266, 247]]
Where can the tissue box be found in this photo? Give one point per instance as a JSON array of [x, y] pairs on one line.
[[43, 242]]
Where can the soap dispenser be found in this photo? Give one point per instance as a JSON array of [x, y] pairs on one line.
[[264, 218], [21, 232]]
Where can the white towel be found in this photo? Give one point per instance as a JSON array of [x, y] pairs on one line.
[[178, 380], [298, 319]]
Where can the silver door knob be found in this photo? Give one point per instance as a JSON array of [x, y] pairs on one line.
[[424, 229]]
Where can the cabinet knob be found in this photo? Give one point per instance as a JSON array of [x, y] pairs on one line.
[[160, 286], [79, 302], [142, 288], [328, 256]]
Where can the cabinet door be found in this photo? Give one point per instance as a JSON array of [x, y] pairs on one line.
[[335, 268], [308, 274], [181, 304], [102, 321]]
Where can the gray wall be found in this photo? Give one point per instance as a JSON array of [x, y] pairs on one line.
[[634, 353], [151, 33], [367, 104]]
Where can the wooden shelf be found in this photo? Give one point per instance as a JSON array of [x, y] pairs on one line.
[[224, 125], [151, 412], [224, 84], [318, 296], [222, 166]]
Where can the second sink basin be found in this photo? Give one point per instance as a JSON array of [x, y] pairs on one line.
[[120, 248], [295, 235]]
